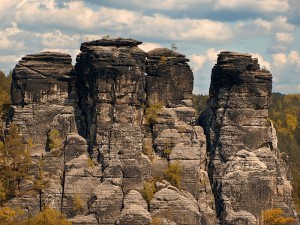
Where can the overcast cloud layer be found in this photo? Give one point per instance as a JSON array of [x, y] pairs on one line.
[[268, 29]]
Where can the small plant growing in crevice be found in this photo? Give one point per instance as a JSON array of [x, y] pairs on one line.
[[163, 60], [167, 148], [149, 190], [173, 173], [54, 142], [147, 149], [157, 221], [91, 164], [78, 204], [151, 112]]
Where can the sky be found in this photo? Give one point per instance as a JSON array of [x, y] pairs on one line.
[[267, 29]]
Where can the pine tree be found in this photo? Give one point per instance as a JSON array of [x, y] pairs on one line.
[[14, 162]]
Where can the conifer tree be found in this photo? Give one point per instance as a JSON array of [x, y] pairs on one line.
[[14, 162]]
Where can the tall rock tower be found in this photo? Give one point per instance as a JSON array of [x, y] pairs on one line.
[[245, 168]]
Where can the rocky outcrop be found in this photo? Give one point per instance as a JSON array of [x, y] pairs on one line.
[[115, 139], [43, 95], [244, 168], [175, 137], [169, 78]]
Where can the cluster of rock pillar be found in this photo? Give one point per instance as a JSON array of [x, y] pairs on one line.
[[111, 152]]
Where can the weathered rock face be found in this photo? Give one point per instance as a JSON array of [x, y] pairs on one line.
[[245, 169], [44, 97], [119, 128], [175, 138], [170, 78], [111, 80]]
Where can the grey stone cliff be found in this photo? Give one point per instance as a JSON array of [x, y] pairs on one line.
[[245, 168], [106, 129]]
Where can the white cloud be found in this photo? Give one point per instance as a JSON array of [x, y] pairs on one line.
[[263, 63], [7, 43], [212, 54], [77, 16], [282, 59], [165, 28], [294, 58], [279, 60], [255, 5], [284, 37], [57, 39], [279, 23], [146, 47], [197, 61]]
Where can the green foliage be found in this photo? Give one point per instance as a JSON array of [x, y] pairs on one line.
[[173, 173], [5, 83], [54, 142], [14, 162], [285, 115], [200, 103], [149, 190], [274, 217], [151, 112]]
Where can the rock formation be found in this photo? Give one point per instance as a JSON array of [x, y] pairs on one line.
[[116, 139], [98, 147], [246, 171]]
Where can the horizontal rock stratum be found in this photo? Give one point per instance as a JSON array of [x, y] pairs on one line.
[[131, 150]]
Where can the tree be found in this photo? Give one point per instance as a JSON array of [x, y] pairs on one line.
[[5, 83], [40, 182], [173, 173], [48, 217], [9, 216], [173, 47], [14, 162], [275, 217], [54, 142]]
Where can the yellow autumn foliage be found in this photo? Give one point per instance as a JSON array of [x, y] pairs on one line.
[[275, 217]]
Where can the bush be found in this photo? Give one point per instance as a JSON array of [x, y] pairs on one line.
[[147, 148], [54, 142], [157, 221], [274, 217], [91, 164], [149, 190], [151, 112], [173, 173], [163, 60], [78, 204]]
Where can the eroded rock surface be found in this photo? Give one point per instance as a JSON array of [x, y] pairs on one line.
[[244, 165], [106, 133]]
